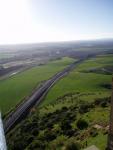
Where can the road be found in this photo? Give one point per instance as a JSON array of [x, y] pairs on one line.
[[36, 98]]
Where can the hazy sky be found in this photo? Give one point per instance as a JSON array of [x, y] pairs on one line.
[[24, 21]]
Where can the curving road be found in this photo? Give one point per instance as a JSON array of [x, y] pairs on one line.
[[36, 97]]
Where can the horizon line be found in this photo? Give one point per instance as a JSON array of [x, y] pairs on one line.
[[61, 41]]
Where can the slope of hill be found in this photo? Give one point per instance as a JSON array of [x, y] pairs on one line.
[[74, 114]]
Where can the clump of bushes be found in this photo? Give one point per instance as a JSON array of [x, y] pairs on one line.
[[103, 102], [85, 107], [106, 85], [71, 144], [82, 124], [53, 130]]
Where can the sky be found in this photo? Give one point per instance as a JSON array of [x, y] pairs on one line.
[[32, 21]]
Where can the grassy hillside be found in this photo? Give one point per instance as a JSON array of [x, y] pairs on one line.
[[81, 80], [66, 124], [74, 114], [16, 88]]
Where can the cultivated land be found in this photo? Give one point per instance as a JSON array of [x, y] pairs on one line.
[[82, 80], [18, 87], [74, 112]]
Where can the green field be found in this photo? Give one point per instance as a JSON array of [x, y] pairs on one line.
[[16, 88], [99, 61], [82, 85], [79, 81]]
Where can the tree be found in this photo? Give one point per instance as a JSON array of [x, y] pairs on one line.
[[82, 124]]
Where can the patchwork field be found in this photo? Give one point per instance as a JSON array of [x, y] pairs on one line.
[[16, 88]]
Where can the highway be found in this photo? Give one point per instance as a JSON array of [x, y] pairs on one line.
[[23, 109]]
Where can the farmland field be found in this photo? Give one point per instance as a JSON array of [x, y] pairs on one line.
[[16, 88], [81, 81]]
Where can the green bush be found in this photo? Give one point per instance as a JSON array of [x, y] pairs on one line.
[[84, 108], [82, 124], [93, 132], [72, 145], [37, 145], [58, 142]]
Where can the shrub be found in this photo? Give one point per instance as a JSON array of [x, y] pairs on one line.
[[49, 135], [82, 124], [106, 85], [56, 128], [58, 142], [104, 104], [37, 145], [93, 132], [65, 125], [84, 108], [71, 145]]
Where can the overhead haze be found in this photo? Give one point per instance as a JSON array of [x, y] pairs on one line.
[[31, 21]]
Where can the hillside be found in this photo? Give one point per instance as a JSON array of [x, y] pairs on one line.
[[74, 114]]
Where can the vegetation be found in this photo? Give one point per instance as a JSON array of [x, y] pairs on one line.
[[74, 114], [81, 81], [82, 124], [18, 87], [62, 128]]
